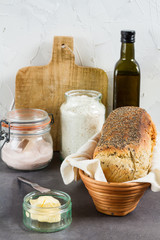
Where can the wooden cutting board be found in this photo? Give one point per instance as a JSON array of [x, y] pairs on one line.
[[43, 87]]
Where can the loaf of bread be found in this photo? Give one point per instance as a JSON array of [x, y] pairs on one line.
[[126, 144]]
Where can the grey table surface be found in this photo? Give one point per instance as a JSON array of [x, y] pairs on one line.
[[87, 223]]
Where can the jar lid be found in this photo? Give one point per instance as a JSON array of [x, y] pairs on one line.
[[82, 92], [29, 119]]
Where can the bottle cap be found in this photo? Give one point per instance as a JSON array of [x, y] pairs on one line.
[[128, 36]]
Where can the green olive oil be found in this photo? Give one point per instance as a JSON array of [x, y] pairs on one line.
[[126, 91]]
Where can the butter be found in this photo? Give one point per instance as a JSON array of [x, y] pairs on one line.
[[45, 209]]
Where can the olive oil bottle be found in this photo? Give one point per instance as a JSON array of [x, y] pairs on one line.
[[126, 90]]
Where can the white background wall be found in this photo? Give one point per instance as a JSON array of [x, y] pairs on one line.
[[27, 28]]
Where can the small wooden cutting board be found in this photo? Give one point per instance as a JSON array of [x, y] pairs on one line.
[[43, 87]]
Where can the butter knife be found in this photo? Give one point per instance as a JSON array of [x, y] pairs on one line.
[[34, 185]]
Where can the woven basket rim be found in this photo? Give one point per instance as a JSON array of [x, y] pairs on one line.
[[113, 184]]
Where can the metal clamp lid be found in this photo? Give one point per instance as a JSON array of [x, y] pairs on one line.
[[52, 118], [4, 135]]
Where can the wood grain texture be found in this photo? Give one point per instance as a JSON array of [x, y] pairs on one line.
[[43, 87]]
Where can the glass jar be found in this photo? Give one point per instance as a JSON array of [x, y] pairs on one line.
[[47, 219], [82, 116], [27, 142]]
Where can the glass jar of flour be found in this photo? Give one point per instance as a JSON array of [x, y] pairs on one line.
[[26, 142], [82, 116]]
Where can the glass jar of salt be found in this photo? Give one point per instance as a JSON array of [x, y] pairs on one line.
[[82, 116], [26, 139]]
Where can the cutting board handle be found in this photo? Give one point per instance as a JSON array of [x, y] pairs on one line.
[[62, 49]]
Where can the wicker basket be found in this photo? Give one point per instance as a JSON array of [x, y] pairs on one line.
[[116, 199]]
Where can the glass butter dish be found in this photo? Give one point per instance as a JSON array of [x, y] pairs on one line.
[[47, 212]]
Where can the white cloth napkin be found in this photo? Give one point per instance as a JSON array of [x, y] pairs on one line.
[[82, 159]]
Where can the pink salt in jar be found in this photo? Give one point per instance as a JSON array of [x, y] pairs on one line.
[[26, 139]]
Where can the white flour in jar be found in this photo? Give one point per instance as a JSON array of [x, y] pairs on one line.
[[81, 118]]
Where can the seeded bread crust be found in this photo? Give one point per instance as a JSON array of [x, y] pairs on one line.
[[126, 144]]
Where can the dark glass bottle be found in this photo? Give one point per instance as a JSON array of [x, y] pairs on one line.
[[126, 91]]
